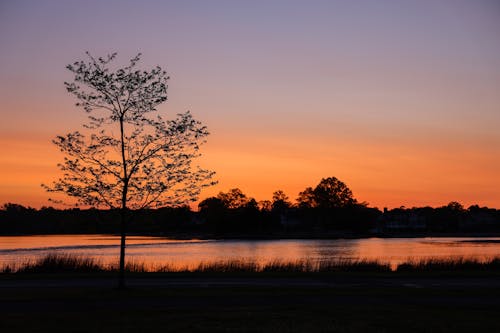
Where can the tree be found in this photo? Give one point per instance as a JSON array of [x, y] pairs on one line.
[[213, 211], [211, 203], [306, 198], [455, 206], [329, 193], [234, 198], [13, 207], [280, 201], [127, 156], [333, 193], [265, 205]]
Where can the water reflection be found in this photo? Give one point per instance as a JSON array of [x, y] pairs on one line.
[[155, 252]]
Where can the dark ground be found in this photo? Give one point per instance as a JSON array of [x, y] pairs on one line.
[[344, 303]]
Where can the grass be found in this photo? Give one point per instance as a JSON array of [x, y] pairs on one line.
[[65, 263], [249, 309], [452, 264], [57, 263], [345, 306]]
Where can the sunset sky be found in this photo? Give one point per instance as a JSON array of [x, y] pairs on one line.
[[398, 99]]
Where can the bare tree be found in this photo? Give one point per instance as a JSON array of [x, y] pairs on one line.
[[127, 156]]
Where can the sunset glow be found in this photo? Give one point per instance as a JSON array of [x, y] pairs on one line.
[[401, 103]]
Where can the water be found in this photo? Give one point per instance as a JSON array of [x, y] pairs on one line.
[[155, 252]]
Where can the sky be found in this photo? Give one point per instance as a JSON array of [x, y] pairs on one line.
[[400, 100]]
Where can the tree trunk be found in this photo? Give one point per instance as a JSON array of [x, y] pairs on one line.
[[123, 211], [123, 229]]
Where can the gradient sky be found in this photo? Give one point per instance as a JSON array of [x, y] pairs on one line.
[[398, 99]]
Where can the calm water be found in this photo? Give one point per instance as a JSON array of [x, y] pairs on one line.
[[154, 252]]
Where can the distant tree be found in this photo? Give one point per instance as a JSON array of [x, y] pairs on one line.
[[13, 207], [233, 199], [329, 193], [280, 201], [332, 193], [306, 198], [455, 206], [252, 204], [448, 218], [231, 211], [210, 204], [474, 208], [265, 205], [127, 156]]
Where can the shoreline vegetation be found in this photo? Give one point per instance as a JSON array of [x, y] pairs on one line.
[[218, 219], [71, 264], [428, 296]]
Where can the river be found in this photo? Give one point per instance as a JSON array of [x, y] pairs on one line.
[[156, 252]]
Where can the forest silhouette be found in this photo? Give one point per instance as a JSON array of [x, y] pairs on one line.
[[327, 210]]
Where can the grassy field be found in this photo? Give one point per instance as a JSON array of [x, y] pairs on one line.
[[68, 294], [249, 309]]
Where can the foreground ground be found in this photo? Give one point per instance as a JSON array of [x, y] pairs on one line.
[[344, 303]]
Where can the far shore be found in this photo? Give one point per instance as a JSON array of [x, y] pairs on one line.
[[277, 236]]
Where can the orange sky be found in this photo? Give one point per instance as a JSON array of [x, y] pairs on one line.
[[399, 102], [383, 174]]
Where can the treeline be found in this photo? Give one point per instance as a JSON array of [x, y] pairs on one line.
[[16, 219], [329, 207], [327, 210]]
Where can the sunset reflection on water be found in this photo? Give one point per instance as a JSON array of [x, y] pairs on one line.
[[155, 252]]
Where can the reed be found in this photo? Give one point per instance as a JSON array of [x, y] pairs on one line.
[[60, 263], [450, 264], [299, 266], [343, 265], [66, 263]]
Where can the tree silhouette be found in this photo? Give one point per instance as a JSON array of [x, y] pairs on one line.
[[329, 193], [306, 198], [234, 198], [127, 156], [280, 201], [455, 206], [333, 193], [265, 205]]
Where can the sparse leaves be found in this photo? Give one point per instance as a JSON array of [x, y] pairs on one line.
[[126, 152]]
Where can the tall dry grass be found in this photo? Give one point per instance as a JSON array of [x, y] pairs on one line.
[[66, 263], [58, 263], [450, 264]]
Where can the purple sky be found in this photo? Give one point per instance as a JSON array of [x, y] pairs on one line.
[[399, 99]]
